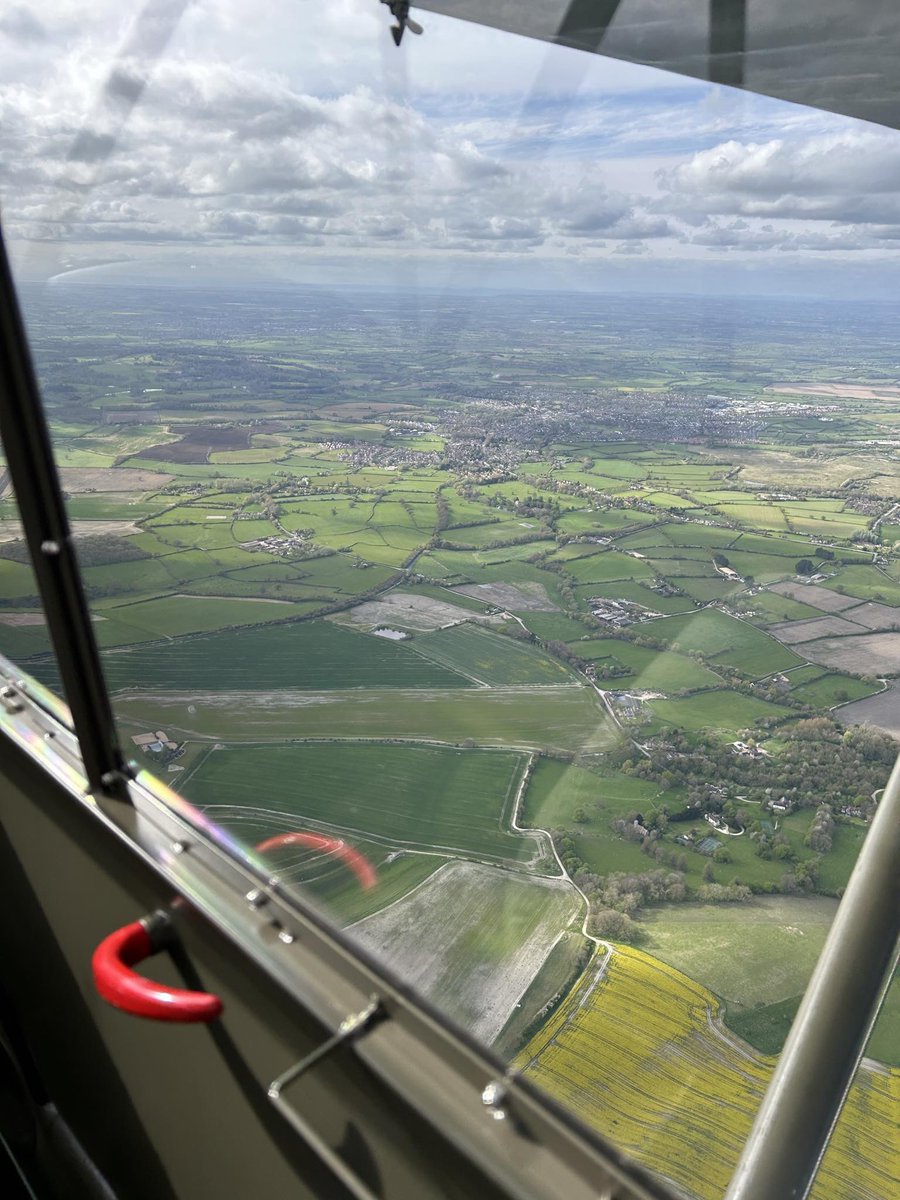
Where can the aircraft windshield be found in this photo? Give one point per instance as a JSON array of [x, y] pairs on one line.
[[483, 460]]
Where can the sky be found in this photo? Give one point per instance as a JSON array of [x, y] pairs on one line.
[[291, 141]]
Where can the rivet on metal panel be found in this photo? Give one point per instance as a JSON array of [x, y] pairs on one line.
[[492, 1098], [10, 700], [495, 1093]]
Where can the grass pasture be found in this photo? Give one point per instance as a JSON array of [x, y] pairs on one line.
[[169, 616], [772, 606], [868, 583], [606, 566], [725, 710], [556, 791], [404, 797], [554, 626], [724, 640], [831, 689], [780, 939], [634, 1053], [655, 670]]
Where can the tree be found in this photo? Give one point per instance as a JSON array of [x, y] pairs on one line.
[[709, 875], [805, 567], [610, 923]]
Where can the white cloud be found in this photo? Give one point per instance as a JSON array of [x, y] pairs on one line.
[[853, 176], [220, 123]]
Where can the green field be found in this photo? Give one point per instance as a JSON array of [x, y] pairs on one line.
[[326, 880], [555, 627], [773, 607], [832, 689], [780, 939], [651, 669], [170, 616], [490, 658], [724, 640], [566, 718], [726, 710], [556, 791], [405, 797], [868, 584], [606, 566], [305, 655]]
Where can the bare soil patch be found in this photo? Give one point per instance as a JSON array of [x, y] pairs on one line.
[[794, 632], [409, 611], [33, 619], [197, 442], [875, 654], [815, 596], [520, 597], [76, 480], [11, 531], [875, 616], [881, 711], [851, 391]]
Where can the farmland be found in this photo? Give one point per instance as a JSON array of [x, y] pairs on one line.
[[721, 639], [558, 790], [456, 802], [724, 710], [297, 655], [472, 939], [565, 719], [436, 602], [780, 939], [637, 1051], [489, 659]]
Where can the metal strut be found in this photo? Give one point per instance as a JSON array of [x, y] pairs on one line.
[[829, 1034]]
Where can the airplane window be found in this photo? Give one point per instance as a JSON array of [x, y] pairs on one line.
[[23, 629], [483, 460]]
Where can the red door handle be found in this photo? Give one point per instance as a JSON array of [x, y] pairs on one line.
[[125, 989], [358, 863]]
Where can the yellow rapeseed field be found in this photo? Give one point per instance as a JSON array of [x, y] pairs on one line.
[[638, 1052]]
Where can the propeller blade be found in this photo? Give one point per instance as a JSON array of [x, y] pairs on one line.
[[413, 26]]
